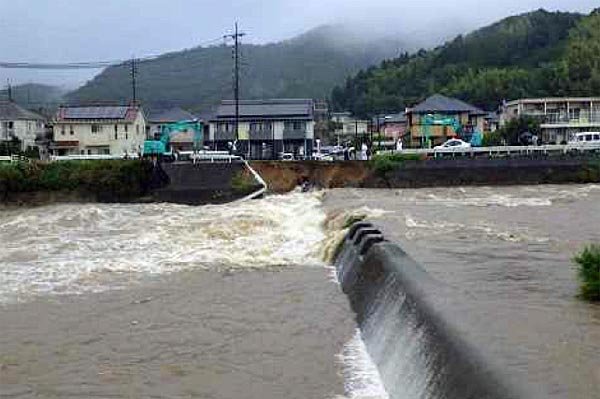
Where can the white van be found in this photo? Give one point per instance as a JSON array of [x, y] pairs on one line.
[[584, 140]]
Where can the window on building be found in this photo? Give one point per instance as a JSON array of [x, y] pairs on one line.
[[71, 131], [126, 136], [299, 126], [96, 128], [255, 127], [137, 129], [62, 130], [225, 127], [126, 129], [574, 113], [116, 135]]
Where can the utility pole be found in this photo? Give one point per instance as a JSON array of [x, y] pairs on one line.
[[236, 36], [9, 90], [133, 72]]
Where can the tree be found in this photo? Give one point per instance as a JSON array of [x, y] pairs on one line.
[[511, 132], [582, 58]]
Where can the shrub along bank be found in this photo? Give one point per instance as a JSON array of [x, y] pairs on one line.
[[105, 181], [588, 264]]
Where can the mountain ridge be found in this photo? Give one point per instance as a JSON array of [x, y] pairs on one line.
[[308, 65]]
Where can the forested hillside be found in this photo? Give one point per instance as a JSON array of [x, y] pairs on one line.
[[309, 65], [535, 54]]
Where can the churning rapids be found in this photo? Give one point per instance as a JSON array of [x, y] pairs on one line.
[[235, 301]]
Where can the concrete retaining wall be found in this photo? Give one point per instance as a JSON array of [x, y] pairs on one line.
[[202, 183]]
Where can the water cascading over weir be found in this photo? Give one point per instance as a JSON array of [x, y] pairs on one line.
[[408, 325]]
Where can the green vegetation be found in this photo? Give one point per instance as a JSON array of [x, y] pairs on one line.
[[107, 180], [383, 164], [535, 54], [307, 66], [13, 147], [242, 183], [588, 263], [511, 131]]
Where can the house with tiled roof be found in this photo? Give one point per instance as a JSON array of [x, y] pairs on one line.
[[18, 123], [98, 130], [268, 127], [422, 120]]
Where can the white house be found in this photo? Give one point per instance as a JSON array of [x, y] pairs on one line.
[[108, 130], [17, 122], [270, 127]]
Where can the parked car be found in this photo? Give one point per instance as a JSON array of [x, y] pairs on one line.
[[453, 144], [322, 157], [584, 140], [286, 156]]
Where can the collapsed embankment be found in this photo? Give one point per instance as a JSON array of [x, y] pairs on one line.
[[285, 176], [411, 327]]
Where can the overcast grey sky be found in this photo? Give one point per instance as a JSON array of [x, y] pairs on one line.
[[90, 30]]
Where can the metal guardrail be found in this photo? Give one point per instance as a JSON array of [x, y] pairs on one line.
[[500, 150], [215, 156], [14, 158], [90, 157]]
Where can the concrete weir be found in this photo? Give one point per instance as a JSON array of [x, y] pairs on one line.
[[409, 327]]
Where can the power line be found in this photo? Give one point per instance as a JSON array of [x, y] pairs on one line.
[[86, 64]]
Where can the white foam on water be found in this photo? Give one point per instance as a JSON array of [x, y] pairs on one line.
[[418, 229], [510, 197], [362, 379], [75, 248]]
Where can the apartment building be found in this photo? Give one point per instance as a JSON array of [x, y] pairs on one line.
[[560, 118]]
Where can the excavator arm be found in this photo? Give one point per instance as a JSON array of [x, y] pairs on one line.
[[161, 146]]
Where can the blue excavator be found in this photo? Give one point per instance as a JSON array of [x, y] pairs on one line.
[[161, 147], [430, 120]]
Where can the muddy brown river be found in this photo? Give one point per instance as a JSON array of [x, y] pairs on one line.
[[509, 250], [234, 301]]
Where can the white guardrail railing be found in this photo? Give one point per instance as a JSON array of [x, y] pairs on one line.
[[13, 158], [497, 150]]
